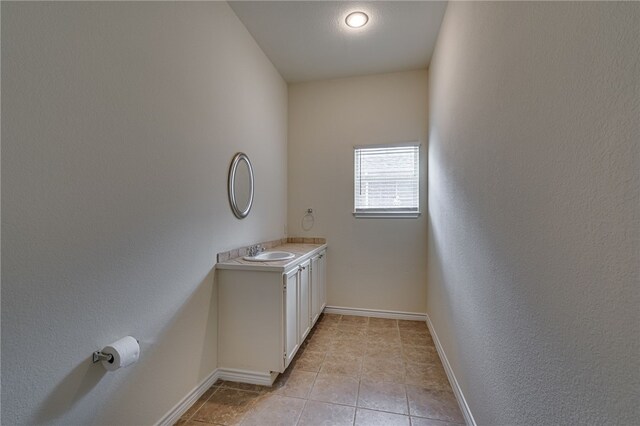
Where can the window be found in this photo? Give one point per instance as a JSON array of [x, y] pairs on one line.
[[387, 180]]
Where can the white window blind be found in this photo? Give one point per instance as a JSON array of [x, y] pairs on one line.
[[387, 180]]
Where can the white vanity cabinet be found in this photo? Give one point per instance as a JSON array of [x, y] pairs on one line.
[[265, 311]]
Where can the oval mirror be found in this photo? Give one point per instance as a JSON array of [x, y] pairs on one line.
[[240, 185]]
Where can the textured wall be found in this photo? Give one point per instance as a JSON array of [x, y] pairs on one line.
[[534, 177], [373, 263], [119, 121]]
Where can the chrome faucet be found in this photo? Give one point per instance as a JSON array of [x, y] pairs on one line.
[[254, 250]]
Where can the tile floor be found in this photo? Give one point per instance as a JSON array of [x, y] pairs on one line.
[[350, 371]]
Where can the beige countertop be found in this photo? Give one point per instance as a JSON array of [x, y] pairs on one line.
[[301, 251]]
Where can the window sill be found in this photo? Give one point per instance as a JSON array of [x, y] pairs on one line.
[[386, 215]]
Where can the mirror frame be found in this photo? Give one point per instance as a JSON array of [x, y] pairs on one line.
[[240, 213]]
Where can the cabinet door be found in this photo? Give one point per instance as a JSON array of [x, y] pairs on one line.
[[304, 319], [316, 299], [322, 279], [291, 341]]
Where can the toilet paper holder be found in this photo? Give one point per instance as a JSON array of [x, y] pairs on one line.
[[101, 356]]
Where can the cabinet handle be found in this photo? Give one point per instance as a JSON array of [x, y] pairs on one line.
[[321, 256]]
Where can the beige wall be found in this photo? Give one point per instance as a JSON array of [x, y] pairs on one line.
[[119, 121], [534, 177], [372, 263]]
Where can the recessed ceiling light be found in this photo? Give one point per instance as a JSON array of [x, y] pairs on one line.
[[357, 19]]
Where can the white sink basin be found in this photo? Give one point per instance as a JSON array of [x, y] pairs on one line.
[[270, 256]]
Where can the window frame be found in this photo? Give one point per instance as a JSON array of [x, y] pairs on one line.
[[387, 213]]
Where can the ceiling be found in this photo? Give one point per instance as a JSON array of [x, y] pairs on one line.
[[308, 40]]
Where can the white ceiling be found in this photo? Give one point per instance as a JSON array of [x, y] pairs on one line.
[[308, 40]]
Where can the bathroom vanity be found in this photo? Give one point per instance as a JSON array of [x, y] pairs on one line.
[[266, 310]]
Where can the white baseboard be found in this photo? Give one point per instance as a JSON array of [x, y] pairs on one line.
[[462, 402], [376, 313], [244, 376], [181, 407]]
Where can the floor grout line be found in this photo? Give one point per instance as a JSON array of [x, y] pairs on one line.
[[406, 390], [302, 411]]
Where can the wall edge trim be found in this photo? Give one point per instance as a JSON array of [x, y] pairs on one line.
[[462, 402], [376, 313], [181, 407]]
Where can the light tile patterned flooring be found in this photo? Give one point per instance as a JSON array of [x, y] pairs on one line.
[[350, 371]]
